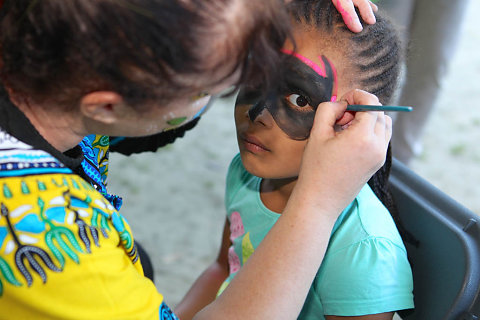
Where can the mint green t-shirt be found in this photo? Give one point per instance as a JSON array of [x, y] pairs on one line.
[[365, 269]]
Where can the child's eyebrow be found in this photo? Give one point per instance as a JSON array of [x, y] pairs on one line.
[[320, 70]]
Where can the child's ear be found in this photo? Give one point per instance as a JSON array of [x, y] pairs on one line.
[[103, 106]]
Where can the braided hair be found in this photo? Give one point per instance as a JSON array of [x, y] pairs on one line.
[[374, 55]]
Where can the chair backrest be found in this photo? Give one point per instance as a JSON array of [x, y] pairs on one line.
[[446, 263]]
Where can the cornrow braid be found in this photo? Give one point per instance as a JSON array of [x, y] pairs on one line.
[[375, 55]]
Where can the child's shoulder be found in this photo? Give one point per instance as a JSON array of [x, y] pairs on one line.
[[374, 216], [364, 221], [365, 269]]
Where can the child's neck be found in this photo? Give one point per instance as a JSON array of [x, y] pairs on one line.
[[276, 192]]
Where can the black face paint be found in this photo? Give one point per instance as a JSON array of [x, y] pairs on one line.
[[256, 109], [293, 104]]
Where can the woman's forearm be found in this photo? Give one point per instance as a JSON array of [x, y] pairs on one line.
[[202, 292], [274, 282]]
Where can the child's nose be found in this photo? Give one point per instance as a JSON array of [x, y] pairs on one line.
[[256, 110], [259, 113]]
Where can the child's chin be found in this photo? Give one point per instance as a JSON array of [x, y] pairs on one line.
[[250, 164]]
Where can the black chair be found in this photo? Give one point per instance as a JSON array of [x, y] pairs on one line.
[[446, 262]]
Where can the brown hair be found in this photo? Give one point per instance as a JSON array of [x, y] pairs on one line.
[[57, 50]]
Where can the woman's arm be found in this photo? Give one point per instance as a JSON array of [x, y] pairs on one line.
[[275, 280], [205, 288]]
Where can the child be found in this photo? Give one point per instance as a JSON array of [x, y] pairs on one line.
[[365, 271]]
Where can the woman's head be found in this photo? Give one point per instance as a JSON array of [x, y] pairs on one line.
[[54, 52], [325, 61]]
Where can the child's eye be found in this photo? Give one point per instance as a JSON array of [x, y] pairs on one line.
[[298, 100]]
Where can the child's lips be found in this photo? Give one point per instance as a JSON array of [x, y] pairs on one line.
[[251, 143]]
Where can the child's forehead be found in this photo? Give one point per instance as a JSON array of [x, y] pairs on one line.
[[317, 67], [313, 43]]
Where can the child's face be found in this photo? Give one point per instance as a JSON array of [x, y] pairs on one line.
[[272, 132], [266, 150]]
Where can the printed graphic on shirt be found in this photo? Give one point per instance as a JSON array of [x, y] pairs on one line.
[[49, 216], [47, 220], [20, 159], [237, 233]]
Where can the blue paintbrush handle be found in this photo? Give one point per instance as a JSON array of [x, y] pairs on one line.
[[361, 107]]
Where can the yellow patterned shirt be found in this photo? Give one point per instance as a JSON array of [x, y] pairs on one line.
[[65, 251]]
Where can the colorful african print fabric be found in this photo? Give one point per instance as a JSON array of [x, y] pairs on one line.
[[95, 165], [65, 250]]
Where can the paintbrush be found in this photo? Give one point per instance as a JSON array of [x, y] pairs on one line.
[[362, 107]]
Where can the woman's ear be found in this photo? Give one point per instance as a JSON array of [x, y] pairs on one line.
[[103, 106]]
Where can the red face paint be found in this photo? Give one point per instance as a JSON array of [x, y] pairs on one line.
[[320, 70], [335, 80]]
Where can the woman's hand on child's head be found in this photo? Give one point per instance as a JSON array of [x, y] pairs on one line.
[[343, 161], [347, 10]]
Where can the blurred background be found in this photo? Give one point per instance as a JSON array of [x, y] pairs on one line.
[[174, 198]]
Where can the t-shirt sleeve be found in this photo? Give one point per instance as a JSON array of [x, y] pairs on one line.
[[368, 277]]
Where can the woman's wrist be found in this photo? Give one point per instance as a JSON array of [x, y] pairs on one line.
[[311, 194]]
